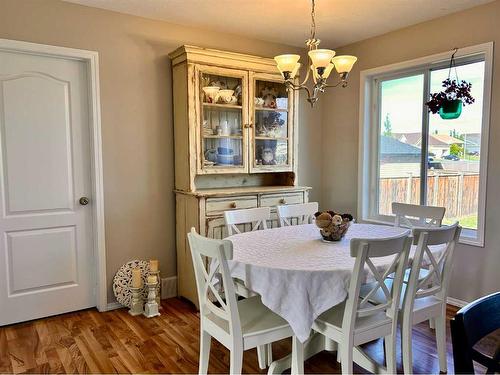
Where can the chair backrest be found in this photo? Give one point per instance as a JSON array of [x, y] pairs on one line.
[[302, 213], [471, 323], [411, 215], [436, 280], [209, 261], [365, 251], [256, 217]]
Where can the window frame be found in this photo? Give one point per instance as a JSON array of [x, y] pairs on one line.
[[368, 170]]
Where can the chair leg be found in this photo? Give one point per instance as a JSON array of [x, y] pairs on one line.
[[205, 340], [339, 356], [269, 354], [432, 323], [441, 342], [390, 353], [406, 350], [236, 360], [346, 356], [262, 356], [297, 356]]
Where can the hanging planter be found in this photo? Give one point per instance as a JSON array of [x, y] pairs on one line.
[[449, 102], [451, 109]]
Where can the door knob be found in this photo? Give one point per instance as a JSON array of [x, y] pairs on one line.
[[84, 201]]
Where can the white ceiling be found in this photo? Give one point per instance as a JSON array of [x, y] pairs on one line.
[[339, 22]]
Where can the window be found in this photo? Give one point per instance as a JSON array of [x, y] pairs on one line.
[[411, 156]]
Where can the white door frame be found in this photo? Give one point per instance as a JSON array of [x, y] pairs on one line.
[[91, 60]]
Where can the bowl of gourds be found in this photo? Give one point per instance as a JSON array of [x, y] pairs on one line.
[[332, 225]]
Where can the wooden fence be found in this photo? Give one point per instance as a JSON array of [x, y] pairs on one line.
[[457, 192]]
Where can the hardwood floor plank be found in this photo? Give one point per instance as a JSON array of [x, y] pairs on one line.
[[5, 365], [115, 342]]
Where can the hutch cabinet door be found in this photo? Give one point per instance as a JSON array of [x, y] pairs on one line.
[[272, 124], [222, 103]]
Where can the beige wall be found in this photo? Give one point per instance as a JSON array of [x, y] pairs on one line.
[[136, 102], [476, 269]]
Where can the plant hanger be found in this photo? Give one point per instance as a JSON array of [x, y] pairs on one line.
[[455, 94]]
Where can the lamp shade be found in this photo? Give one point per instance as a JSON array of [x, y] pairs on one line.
[[321, 57], [344, 63], [287, 63]]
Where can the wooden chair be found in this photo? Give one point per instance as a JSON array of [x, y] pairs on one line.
[[255, 217], [424, 296], [238, 325], [411, 215], [471, 323], [303, 213], [356, 321]]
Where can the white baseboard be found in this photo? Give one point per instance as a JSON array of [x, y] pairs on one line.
[[169, 287], [456, 302], [113, 306]]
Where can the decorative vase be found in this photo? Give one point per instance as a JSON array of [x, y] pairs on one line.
[[451, 109]]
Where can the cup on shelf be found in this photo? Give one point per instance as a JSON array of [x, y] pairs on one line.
[[225, 128]]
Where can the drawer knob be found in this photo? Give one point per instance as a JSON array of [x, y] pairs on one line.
[[233, 205], [282, 201]]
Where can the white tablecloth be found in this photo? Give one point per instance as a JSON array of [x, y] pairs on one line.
[[297, 274]]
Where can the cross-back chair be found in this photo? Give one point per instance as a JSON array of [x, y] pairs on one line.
[[238, 325], [425, 296], [357, 321], [414, 215], [302, 213], [255, 217]]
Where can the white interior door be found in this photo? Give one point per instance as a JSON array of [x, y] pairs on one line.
[[46, 248]]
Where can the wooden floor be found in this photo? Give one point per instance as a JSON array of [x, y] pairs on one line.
[[115, 342]]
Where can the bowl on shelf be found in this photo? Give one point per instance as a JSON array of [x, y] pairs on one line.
[[225, 151], [225, 96], [211, 93], [225, 159]]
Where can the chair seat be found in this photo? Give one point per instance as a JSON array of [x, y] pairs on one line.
[[256, 320], [420, 305], [331, 320]]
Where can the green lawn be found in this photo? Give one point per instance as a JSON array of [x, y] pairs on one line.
[[465, 221]]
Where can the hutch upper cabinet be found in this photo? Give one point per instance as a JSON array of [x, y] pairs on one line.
[[235, 143]]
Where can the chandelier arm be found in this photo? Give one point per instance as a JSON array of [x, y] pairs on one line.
[[306, 89], [307, 76], [340, 82]]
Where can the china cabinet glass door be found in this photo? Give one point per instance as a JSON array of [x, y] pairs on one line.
[[271, 112], [223, 115]]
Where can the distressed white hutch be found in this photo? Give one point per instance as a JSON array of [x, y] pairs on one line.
[[235, 132]]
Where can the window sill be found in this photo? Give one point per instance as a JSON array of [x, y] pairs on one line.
[[467, 237]]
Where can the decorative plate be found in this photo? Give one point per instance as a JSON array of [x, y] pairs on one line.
[[123, 280]]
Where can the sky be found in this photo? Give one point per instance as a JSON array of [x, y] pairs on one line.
[[402, 100]]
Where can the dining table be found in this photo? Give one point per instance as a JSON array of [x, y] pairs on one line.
[[299, 275]]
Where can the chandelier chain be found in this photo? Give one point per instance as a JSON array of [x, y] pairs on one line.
[[313, 21]]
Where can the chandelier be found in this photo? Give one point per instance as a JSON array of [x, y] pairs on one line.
[[321, 63]]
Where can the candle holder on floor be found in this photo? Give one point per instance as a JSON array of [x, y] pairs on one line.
[[151, 307], [158, 287], [136, 305]]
